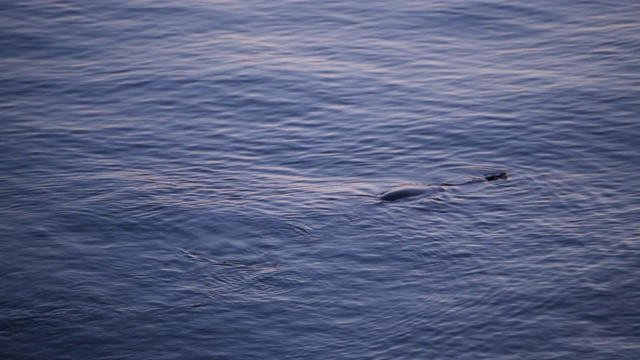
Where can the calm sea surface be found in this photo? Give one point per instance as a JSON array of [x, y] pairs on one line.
[[199, 179]]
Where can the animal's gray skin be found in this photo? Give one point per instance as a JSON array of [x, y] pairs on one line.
[[406, 192]]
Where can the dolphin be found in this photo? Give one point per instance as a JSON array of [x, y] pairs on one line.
[[407, 191]]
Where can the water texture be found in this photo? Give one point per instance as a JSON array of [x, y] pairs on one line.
[[200, 179]]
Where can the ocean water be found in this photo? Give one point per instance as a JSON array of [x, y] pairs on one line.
[[200, 179]]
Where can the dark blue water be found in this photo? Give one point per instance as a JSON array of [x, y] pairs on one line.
[[199, 180]]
